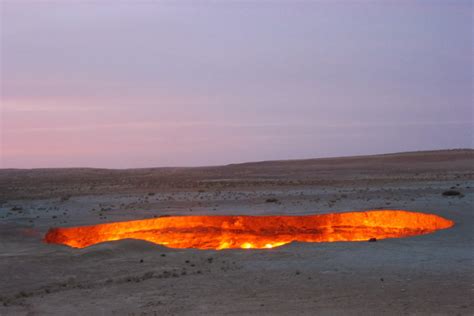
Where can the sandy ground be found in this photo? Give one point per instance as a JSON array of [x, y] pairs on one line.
[[423, 275]]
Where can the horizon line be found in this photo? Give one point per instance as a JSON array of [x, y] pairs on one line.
[[248, 162]]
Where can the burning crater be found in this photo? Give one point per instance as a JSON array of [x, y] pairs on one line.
[[222, 232]]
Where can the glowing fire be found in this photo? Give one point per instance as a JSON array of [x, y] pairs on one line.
[[261, 232]]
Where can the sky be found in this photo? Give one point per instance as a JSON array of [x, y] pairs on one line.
[[131, 84]]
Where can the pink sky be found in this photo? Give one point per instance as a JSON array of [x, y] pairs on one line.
[[125, 85]]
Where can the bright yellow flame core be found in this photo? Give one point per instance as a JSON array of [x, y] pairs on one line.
[[254, 232]]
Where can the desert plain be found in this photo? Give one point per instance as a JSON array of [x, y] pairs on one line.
[[424, 275]]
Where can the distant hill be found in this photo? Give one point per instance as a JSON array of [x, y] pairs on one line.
[[414, 165]]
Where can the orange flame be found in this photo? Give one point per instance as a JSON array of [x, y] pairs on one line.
[[260, 232]]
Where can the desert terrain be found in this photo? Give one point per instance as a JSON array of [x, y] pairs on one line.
[[423, 275]]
